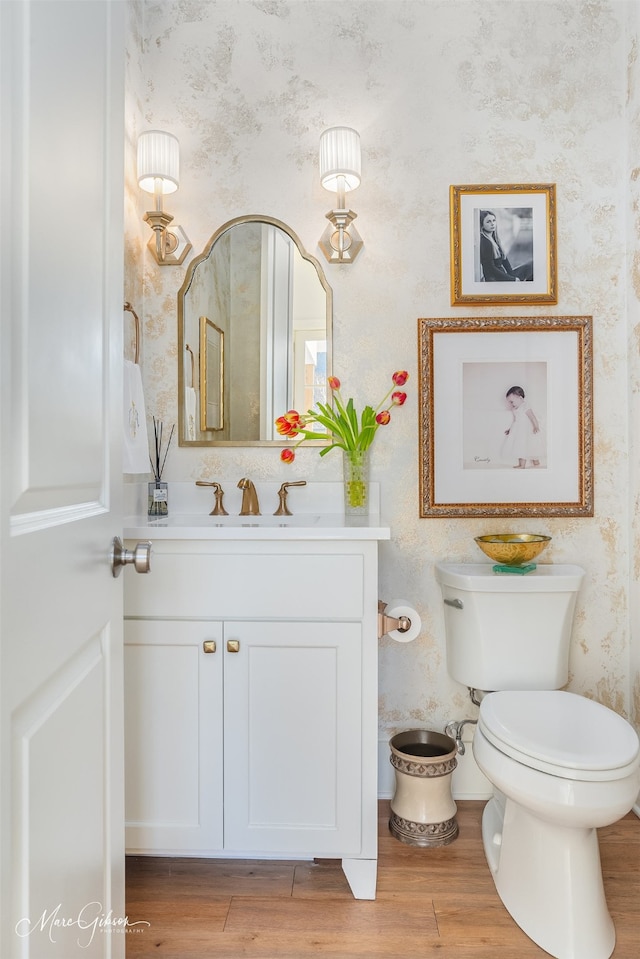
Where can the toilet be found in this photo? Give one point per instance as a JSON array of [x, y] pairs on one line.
[[560, 765]]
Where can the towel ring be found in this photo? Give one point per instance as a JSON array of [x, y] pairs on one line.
[[130, 309]]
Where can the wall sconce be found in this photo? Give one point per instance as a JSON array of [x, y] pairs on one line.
[[340, 171], [159, 173]]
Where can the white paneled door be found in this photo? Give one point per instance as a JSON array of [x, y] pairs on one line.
[[61, 633]]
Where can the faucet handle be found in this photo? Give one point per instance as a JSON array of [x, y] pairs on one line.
[[218, 492], [283, 509]]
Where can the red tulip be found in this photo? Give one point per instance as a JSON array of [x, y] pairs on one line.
[[289, 424], [398, 398], [334, 383], [383, 417], [287, 456], [400, 377]]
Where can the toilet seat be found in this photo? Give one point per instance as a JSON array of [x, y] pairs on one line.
[[560, 733]]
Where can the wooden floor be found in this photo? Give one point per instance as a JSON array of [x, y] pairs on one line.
[[435, 902]]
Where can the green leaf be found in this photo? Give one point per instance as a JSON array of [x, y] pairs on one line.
[[331, 425], [310, 435], [327, 449]]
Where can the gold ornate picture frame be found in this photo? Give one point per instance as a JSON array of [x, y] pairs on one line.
[[503, 244], [505, 416]]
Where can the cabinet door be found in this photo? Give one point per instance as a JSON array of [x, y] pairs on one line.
[[292, 750], [173, 737]]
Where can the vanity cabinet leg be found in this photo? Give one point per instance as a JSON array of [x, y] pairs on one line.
[[361, 875]]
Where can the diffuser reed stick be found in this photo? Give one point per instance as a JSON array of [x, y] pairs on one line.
[[159, 491], [157, 463]]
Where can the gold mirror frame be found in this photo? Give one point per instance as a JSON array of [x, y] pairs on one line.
[[183, 439]]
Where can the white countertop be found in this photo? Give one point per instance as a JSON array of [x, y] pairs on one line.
[[304, 526], [316, 515]]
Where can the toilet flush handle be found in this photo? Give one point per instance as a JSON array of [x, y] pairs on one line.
[[456, 603]]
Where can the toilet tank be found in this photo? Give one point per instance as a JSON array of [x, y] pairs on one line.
[[508, 630]]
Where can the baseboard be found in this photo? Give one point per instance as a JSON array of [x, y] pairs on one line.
[[467, 782], [386, 775]]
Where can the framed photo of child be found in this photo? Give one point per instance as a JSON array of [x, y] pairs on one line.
[[506, 419], [503, 244]]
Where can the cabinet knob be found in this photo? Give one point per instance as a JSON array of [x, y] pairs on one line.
[[233, 646], [209, 645]]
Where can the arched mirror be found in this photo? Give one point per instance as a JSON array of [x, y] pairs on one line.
[[254, 335]]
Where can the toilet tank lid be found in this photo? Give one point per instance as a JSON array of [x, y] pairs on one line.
[[480, 578]]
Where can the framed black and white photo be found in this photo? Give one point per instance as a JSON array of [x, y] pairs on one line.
[[506, 416], [503, 244]]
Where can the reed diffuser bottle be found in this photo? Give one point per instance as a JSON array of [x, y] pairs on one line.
[[158, 501]]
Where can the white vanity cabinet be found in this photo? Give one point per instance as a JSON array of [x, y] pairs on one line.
[[251, 701]]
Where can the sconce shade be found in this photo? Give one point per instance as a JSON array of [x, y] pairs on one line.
[[340, 157], [158, 158]]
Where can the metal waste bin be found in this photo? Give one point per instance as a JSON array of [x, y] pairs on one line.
[[423, 812]]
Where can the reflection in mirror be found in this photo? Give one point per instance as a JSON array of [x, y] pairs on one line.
[[259, 309], [188, 415], [211, 376]]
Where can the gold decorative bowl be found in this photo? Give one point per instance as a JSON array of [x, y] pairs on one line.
[[512, 549]]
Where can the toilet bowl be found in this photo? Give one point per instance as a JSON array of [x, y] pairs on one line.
[[562, 766]]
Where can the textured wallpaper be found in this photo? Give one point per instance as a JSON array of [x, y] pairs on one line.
[[452, 92]]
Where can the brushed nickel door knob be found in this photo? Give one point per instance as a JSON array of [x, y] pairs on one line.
[[139, 557]]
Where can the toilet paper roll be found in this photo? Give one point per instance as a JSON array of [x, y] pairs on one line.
[[400, 608]]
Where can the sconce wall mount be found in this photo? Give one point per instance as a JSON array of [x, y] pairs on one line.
[[159, 174], [340, 167]]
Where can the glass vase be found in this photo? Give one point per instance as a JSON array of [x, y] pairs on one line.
[[355, 465], [158, 499]]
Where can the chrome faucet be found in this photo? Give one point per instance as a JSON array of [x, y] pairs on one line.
[[250, 505]]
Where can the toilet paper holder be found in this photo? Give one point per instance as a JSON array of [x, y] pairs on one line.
[[388, 623]]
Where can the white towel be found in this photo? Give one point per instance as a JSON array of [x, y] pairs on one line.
[[190, 407], [135, 452]]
